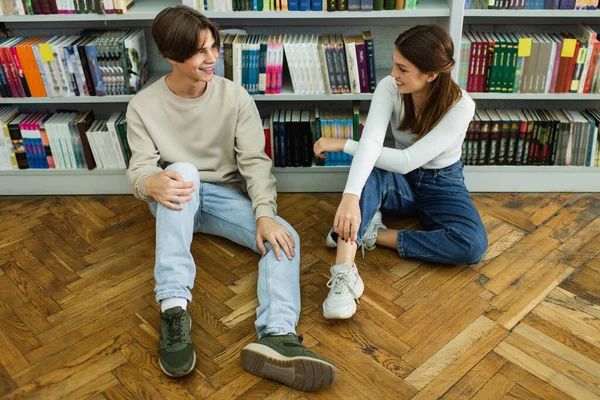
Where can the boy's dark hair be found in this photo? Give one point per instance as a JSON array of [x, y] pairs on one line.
[[177, 31]]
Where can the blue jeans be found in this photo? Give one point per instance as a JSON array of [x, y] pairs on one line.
[[439, 198], [224, 212]]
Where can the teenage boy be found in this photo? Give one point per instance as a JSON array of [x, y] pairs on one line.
[[196, 141]]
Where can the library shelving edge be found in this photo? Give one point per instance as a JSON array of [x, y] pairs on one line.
[[384, 24]]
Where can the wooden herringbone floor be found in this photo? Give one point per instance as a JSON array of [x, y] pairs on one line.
[[78, 317]]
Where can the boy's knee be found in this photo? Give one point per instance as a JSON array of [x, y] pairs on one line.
[[188, 172]]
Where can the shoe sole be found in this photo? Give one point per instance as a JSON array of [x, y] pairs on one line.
[[178, 374], [348, 312], [301, 373]]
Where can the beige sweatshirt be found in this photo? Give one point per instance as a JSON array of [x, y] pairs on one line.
[[220, 133]]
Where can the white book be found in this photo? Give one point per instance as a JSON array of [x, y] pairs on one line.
[[101, 137], [93, 145], [109, 5], [316, 63], [8, 150], [66, 140], [288, 47], [58, 137], [237, 59], [352, 62], [66, 66], [109, 150], [98, 139], [56, 151], [304, 51], [323, 64], [57, 75], [302, 64], [70, 140], [115, 141]]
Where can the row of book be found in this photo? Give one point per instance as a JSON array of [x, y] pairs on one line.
[[304, 5], [317, 64], [533, 137], [531, 4], [291, 134], [41, 7], [514, 62], [98, 64], [62, 140]]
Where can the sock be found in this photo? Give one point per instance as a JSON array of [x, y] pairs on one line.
[[173, 302]]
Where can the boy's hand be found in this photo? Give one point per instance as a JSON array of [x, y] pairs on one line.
[[169, 189], [272, 231]]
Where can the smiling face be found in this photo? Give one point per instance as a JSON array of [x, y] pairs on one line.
[[200, 67], [409, 79]]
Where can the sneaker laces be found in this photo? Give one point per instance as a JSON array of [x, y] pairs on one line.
[[341, 281], [175, 328]]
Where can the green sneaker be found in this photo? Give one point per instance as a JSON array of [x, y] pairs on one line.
[[176, 355], [284, 359]]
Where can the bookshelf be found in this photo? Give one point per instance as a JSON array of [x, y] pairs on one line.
[[385, 26]]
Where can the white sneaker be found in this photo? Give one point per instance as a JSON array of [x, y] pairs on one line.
[[368, 241], [346, 286], [370, 235]]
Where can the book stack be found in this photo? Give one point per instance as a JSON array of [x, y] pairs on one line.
[[41, 7], [63, 140], [531, 5], [304, 5], [326, 64], [533, 137], [109, 63], [291, 134], [517, 62]]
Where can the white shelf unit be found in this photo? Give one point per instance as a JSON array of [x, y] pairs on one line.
[[535, 96], [309, 179], [449, 13]]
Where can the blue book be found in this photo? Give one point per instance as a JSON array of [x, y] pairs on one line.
[[316, 5], [92, 57], [255, 63], [292, 5], [245, 64], [304, 5]]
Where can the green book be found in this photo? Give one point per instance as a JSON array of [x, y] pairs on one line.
[[377, 5]]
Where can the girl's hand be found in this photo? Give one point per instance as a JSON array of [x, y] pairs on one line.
[[325, 145], [347, 218]]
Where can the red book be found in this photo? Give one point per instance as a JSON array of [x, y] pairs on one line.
[[591, 68], [571, 69]]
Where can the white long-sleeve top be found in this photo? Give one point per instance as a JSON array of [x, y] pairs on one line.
[[439, 148]]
